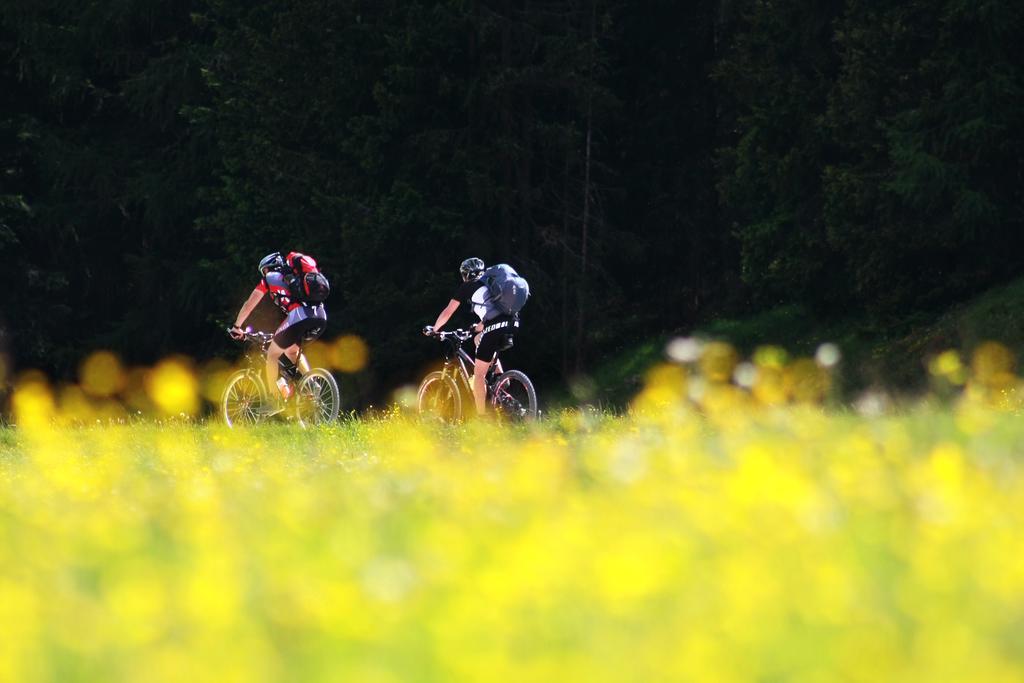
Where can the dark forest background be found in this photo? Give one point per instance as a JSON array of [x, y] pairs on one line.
[[646, 165]]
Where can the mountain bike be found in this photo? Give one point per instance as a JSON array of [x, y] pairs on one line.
[[441, 394], [316, 398]]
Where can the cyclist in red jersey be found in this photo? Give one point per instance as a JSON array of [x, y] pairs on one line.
[[302, 322]]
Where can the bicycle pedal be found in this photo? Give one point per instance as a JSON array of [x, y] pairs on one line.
[[269, 410]]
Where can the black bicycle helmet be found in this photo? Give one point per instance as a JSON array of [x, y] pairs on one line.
[[272, 261], [471, 269]]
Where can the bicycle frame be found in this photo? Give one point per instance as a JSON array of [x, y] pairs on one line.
[[459, 365], [315, 389], [459, 369], [256, 361]]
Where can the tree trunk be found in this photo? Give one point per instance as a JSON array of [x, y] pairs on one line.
[[585, 225], [506, 136], [565, 250]]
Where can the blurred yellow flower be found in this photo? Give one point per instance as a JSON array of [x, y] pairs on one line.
[[213, 378], [769, 386], [349, 353], [718, 361], [701, 536], [33, 403], [101, 374], [173, 387], [992, 364], [806, 381], [770, 357], [948, 366], [318, 353]]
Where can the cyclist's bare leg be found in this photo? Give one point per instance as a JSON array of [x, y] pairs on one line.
[[274, 353], [294, 354], [480, 368], [299, 359]]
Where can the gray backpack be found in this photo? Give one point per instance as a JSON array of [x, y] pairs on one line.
[[507, 289]]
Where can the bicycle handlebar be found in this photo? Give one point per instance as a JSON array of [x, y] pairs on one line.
[[262, 337], [461, 335]]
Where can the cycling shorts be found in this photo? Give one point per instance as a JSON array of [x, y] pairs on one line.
[[301, 325], [498, 335]]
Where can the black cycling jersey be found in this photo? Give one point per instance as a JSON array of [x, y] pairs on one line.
[[464, 292], [476, 295]]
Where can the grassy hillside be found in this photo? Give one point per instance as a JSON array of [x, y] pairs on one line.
[[893, 355]]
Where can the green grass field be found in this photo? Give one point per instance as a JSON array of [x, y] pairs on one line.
[[719, 541]]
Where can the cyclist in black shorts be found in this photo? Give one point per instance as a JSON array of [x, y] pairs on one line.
[[302, 323], [495, 331]]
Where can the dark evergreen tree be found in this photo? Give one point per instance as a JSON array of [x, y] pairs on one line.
[[420, 133], [775, 75], [925, 203], [631, 161], [103, 173]]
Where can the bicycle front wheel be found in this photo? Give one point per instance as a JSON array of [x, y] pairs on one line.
[[513, 396], [244, 394], [439, 398], [317, 398]]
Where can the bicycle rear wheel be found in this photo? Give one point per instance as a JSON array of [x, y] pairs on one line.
[[439, 398], [244, 394], [317, 398], [513, 396]]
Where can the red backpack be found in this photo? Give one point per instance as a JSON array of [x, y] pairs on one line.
[[306, 282]]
